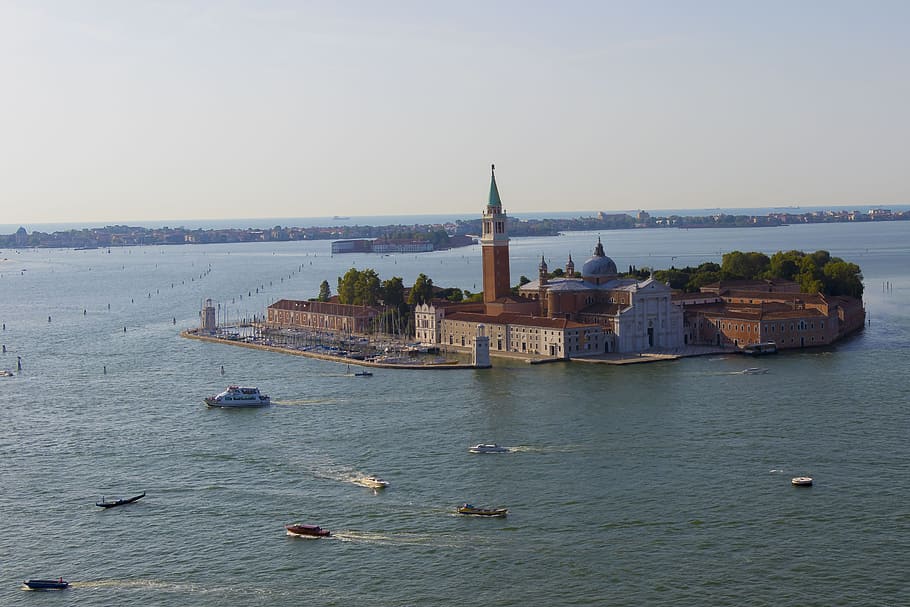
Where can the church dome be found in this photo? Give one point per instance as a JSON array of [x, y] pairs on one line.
[[599, 266]]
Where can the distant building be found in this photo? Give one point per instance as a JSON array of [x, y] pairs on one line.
[[209, 320], [524, 334], [352, 246], [382, 246], [402, 246], [322, 315], [738, 313]]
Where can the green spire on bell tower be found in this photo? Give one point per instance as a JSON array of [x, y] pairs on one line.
[[494, 191]]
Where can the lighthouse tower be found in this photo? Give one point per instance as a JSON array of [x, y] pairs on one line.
[[494, 242]]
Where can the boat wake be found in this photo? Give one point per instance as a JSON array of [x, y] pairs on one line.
[[125, 584], [398, 539], [535, 449], [303, 402]]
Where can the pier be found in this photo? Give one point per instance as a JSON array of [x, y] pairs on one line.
[[270, 346]]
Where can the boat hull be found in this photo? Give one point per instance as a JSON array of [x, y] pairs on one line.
[[488, 449], [213, 402], [115, 503], [308, 530], [374, 483], [490, 512], [46, 584]]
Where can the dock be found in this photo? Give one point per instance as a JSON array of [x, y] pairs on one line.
[[440, 366]]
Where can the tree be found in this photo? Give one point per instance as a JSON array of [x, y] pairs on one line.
[[677, 279], [785, 265], [422, 291], [367, 291], [744, 266], [324, 291], [359, 288], [393, 291], [452, 294], [347, 285], [843, 278]]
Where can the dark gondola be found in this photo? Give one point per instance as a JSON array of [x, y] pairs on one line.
[[58, 584], [121, 502]]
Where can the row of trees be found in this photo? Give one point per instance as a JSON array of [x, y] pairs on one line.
[[816, 272], [364, 288]]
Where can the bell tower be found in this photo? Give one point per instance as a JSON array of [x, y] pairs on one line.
[[495, 245], [542, 280]]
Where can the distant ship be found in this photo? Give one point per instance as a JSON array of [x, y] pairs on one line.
[[340, 218]]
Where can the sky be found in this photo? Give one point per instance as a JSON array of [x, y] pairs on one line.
[[115, 111]]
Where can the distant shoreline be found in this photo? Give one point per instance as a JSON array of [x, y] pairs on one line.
[[438, 233]]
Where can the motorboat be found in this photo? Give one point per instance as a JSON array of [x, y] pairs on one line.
[[120, 502], [308, 530], [373, 482], [239, 396], [760, 348], [6, 373], [801, 481], [360, 373], [472, 510], [58, 584], [754, 371], [488, 448]]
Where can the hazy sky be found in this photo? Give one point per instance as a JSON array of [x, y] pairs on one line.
[[118, 111]]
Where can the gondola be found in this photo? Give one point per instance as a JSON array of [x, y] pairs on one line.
[[120, 502]]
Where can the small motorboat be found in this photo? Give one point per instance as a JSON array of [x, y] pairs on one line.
[[488, 448], [373, 482], [472, 510], [120, 502], [6, 373], [360, 373], [58, 584], [754, 371], [239, 396], [308, 530], [801, 481]]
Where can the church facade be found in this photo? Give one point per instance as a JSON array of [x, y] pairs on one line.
[[636, 315]]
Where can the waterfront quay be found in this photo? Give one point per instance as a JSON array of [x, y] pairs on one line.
[[392, 354], [323, 345]]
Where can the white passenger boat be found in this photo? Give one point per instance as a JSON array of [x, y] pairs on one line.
[[239, 396], [488, 448]]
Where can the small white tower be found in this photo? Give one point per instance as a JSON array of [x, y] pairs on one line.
[[209, 323], [481, 351]]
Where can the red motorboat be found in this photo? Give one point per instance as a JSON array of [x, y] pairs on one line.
[[308, 530]]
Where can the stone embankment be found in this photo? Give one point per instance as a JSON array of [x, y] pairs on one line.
[[441, 366]]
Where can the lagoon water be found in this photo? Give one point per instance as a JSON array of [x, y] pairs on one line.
[[656, 484]]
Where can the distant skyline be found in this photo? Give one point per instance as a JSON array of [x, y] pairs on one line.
[[147, 111]]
